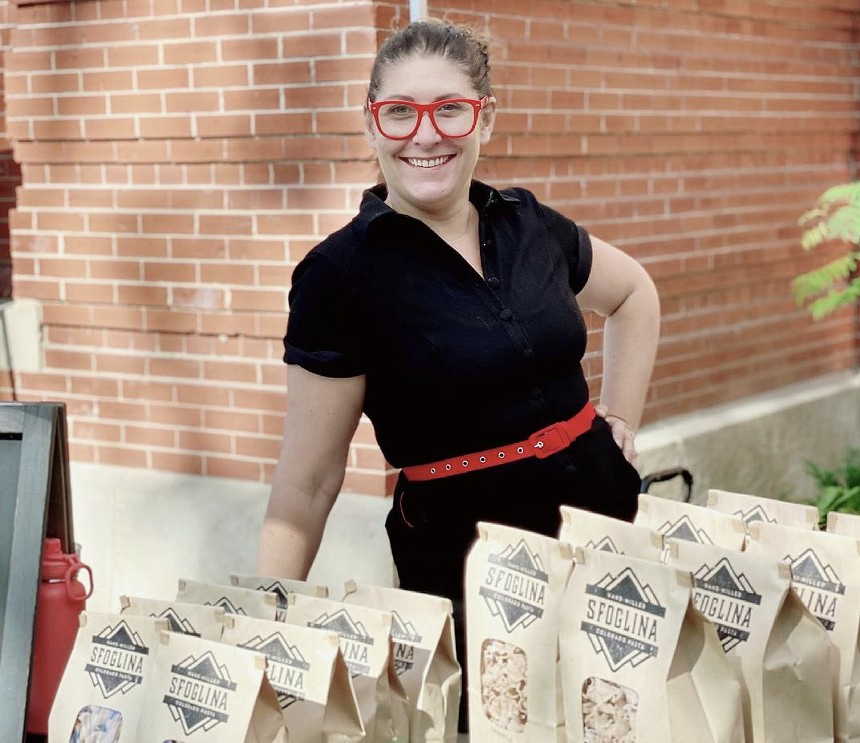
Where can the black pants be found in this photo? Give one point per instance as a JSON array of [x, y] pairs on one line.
[[432, 524]]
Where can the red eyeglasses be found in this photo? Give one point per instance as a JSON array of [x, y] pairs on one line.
[[452, 117]]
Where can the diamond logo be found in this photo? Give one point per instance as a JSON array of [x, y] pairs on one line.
[[726, 598], [818, 586], [116, 660], [685, 530], [200, 692], [515, 586], [621, 624], [355, 640], [286, 666], [756, 513]]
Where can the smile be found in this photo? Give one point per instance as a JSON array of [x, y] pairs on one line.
[[432, 162]]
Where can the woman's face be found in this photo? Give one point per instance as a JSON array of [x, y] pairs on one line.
[[428, 173]]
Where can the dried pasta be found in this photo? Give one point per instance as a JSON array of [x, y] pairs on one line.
[[608, 712], [504, 695]]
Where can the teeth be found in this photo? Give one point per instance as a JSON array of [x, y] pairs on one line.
[[432, 163]]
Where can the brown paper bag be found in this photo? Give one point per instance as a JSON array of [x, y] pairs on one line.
[[202, 690], [309, 676], [234, 600], [639, 663], [425, 656], [846, 524], [365, 641], [824, 572], [780, 649], [189, 619], [754, 508], [690, 523], [514, 583], [280, 587], [101, 693], [581, 528]]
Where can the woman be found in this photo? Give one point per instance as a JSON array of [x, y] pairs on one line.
[[449, 312]]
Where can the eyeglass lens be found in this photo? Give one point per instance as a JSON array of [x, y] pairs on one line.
[[452, 118]]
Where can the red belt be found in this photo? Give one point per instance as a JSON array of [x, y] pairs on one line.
[[541, 444]]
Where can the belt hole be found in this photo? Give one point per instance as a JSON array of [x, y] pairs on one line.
[[432, 470], [465, 462], [447, 466], [501, 455], [519, 450], [483, 459]]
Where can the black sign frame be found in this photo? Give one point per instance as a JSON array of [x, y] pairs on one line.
[[35, 498]]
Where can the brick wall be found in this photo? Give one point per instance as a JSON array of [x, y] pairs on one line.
[[179, 156], [10, 173]]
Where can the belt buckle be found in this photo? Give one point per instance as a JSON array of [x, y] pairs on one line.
[[549, 440]]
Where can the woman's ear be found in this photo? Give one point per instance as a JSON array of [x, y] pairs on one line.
[[369, 128], [488, 120]]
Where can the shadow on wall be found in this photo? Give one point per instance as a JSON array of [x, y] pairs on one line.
[[10, 179]]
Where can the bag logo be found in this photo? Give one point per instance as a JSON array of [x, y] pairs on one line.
[[177, 623], [756, 513], [198, 693], [622, 618], [604, 545], [515, 586], [727, 598], [116, 660], [286, 667], [278, 590], [685, 530], [405, 638], [818, 586], [355, 640], [228, 606]]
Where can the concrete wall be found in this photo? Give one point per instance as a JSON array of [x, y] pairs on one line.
[[142, 530]]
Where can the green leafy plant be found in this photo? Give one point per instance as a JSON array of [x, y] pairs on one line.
[[834, 218], [839, 487]]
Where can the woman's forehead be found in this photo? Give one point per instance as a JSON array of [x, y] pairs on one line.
[[424, 76]]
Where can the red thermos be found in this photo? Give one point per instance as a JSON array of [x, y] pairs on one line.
[[60, 601]]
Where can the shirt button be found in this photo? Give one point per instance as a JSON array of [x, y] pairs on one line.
[[535, 393], [493, 283], [570, 469], [506, 314], [528, 353]]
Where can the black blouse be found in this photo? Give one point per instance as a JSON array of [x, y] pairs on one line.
[[454, 362]]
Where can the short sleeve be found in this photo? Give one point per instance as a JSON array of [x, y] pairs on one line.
[[323, 328], [576, 244]]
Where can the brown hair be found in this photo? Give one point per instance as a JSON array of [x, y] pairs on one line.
[[455, 42]]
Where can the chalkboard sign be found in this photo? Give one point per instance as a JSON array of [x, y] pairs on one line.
[[35, 502]]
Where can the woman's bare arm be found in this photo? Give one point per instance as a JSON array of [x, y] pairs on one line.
[[620, 290], [322, 415]]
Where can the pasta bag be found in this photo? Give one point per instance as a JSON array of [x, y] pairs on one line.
[[754, 508], [232, 599], [514, 584], [780, 649], [689, 522], [365, 641], [102, 690], [202, 690], [189, 619], [281, 587], [425, 656], [310, 678], [639, 663], [582, 528], [847, 524], [824, 572]]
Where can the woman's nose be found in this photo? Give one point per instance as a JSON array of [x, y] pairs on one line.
[[426, 132]]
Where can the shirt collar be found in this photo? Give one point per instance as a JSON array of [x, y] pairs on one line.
[[373, 207]]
